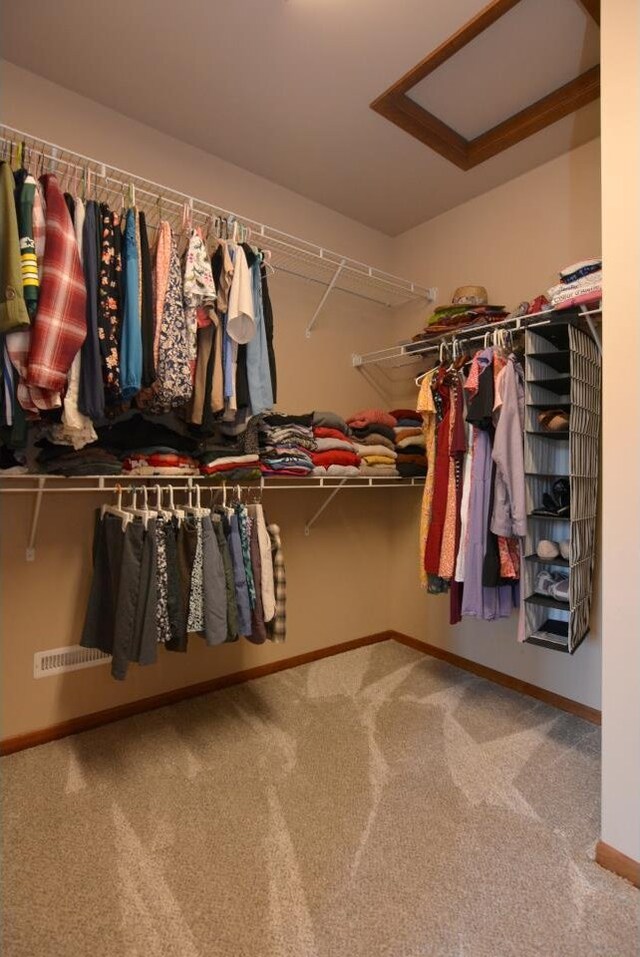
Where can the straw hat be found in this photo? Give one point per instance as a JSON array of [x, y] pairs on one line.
[[470, 296]]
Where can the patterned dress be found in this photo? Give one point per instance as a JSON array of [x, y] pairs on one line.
[[109, 303], [173, 386]]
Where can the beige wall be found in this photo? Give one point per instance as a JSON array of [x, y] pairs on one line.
[[621, 485], [512, 240], [337, 577], [357, 571]]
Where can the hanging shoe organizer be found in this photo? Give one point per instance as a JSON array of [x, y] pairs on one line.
[[562, 425]]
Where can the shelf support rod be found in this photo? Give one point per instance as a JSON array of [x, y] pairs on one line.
[[592, 329], [325, 296], [375, 385], [316, 515], [31, 544]]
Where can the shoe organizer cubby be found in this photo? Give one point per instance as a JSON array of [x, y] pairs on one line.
[[562, 373]]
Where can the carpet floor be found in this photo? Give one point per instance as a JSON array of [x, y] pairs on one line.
[[375, 804]]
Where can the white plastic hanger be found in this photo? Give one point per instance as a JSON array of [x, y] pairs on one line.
[[177, 512], [117, 510]]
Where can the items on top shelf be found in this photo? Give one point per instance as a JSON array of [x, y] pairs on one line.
[[580, 283]]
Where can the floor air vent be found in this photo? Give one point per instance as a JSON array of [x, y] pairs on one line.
[[72, 658]]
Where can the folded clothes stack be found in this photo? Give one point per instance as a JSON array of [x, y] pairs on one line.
[[150, 447], [230, 467], [410, 444], [374, 435], [336, 451], [65, 460], [579, 283], [450, 319], [286, 444], [159, 462]]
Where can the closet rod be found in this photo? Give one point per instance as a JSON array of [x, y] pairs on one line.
[[402, 289]]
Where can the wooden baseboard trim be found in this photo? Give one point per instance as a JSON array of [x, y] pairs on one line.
[[507, 681], [619, 863], [86, 722]]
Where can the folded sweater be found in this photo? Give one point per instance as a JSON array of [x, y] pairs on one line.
[[324, 445], [365, 450], [330, 420], [377, 428], [379, 460], [410, 440], [343, 470], [335, 457], [380, 471], [369, 417], [323, 432]]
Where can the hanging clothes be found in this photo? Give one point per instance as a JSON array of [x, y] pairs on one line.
[[258, 367], [76, 429], [173, 385], [60, 325], [109, 303], [146, 305], [131, 332], [13, 308], [91, 397]]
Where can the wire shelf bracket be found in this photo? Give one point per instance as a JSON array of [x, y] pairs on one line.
[[41, 485], [324, 298], [316, 515]]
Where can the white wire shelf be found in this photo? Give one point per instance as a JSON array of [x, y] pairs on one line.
[[32, 482], [412, 351], [41, 485], [289, 254]]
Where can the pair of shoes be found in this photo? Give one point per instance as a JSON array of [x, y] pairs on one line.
[[554, 420], [548, 550], [552, 585], [557, 501]]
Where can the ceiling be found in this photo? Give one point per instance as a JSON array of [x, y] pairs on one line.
[[282, 87]]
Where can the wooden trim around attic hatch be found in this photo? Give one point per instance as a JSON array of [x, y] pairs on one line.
[[87, 722], [395, 104]]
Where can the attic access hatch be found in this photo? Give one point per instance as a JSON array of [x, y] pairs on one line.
[[549, 49]]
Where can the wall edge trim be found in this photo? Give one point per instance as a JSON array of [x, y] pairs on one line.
[[621, 864], [499, 677], [95, 719]]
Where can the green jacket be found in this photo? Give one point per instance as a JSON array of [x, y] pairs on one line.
[[13, 309]]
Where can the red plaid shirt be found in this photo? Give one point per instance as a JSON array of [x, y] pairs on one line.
[[60, 324]]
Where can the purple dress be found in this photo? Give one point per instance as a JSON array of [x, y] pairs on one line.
[[477, 600]]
